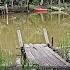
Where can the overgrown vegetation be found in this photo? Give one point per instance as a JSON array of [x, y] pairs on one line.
[[31, 26], [27, 65]]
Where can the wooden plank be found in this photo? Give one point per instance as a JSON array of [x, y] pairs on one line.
[[46, 35], [45, 56], [42, 55], [20, 44], [19, 38], [38, 57], [57, 56], [53, 58], [29, 54], [40, 44], [35, 54]]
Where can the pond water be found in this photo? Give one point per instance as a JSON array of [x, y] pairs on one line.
[[31, 26]]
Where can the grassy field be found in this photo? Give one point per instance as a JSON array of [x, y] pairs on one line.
[[31, 26]]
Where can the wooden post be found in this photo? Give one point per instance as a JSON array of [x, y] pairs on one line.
[[7, 19], [20, 41], [42, 17], [21, 44], [19, 38], [7, 12], [27, 4], [46, 35], [52, 41], [6, 9]]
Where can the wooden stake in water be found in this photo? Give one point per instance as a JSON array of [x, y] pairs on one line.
[[6, 9], [27, 4], [42, 17], [7, 19], [7, 12]]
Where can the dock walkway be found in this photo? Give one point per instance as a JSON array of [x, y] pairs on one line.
[[44, 56]]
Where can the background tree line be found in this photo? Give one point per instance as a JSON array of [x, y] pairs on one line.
[[21, 2]]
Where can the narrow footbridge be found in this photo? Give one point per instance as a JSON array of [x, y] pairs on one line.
[[42, 55]]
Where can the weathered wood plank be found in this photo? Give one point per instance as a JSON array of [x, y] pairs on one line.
[[53, 58], [37, 56], [29, 54], [57, 56], [42, 56], [46, 35], [19, 38], [45, 56], [20, 44]]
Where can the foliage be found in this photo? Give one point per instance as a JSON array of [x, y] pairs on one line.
[[36, 0], [29, 66], [1, 62]]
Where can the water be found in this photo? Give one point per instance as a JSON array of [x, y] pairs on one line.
[[31, 26]]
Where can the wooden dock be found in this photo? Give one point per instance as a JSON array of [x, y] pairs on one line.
[[44, 56]]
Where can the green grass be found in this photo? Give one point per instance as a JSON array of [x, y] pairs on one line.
[[27, 65], [32, 31]]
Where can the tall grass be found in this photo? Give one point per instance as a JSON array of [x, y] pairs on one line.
[[1, 60], [27, 65], [64, 46]]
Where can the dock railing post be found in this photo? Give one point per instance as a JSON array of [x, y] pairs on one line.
[[21, 44], [52, 41], [46, 35]]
